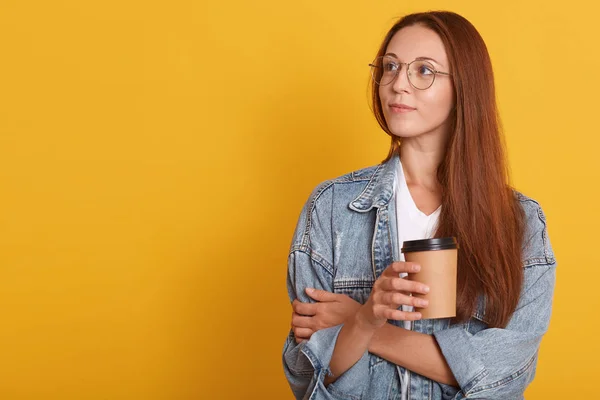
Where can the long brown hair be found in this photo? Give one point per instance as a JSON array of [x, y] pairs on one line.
[[478, 203]]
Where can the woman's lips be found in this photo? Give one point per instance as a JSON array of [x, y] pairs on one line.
[[401, 109]]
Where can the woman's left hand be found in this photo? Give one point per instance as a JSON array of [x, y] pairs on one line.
[[330, 310]]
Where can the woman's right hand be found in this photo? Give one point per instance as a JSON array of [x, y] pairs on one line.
[[390, 292]]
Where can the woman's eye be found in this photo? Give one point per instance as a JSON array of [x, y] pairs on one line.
[[390, 66], [425, 70]]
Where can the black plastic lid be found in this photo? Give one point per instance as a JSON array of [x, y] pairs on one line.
[[412, 246]]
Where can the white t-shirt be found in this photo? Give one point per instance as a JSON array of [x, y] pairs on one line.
[[412, 224]]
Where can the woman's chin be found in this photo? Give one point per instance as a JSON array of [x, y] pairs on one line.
[[404, 133]]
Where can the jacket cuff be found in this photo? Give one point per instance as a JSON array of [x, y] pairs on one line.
[[319, 350], [462, 358]]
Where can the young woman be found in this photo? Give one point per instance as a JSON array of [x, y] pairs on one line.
[[355, 334]]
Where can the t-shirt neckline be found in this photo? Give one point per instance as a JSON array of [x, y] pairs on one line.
[[407, 197]]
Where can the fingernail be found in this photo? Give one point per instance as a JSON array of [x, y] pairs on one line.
[[426, 289], [416, 268], [422, 303], [309, 290]]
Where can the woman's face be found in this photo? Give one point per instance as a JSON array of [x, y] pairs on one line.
[[430, 107]]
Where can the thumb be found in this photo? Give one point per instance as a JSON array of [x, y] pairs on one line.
[[320, 295]]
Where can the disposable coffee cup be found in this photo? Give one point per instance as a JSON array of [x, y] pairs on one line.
[[438, 260]]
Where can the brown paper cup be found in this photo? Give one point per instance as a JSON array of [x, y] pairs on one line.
[[438, 260]]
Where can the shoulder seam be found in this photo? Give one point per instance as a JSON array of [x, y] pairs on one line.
[[547, 259], [313, 199], [320, 189]]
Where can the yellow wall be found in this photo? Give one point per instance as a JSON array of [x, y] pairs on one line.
[[154, 157]]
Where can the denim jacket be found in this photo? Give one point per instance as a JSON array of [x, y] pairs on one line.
[[345, 237]]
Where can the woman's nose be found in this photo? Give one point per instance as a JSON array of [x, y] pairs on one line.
[[401, 83]]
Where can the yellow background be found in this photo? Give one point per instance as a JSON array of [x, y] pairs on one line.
[[154, 158]]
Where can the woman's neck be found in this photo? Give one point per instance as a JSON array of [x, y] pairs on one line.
[[420, 161]]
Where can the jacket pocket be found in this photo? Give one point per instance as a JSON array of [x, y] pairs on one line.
[[357, 289]]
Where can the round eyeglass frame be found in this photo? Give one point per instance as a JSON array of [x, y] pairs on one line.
[[374, 67]]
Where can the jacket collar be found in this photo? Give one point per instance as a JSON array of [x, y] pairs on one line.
[[380, 189]]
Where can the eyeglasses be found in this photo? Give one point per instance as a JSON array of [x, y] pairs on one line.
[[421, 74]]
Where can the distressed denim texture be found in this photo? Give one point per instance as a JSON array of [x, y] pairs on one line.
[[345, 238]]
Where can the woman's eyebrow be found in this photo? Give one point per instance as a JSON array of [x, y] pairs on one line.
[[418, 58], [427, 58]]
